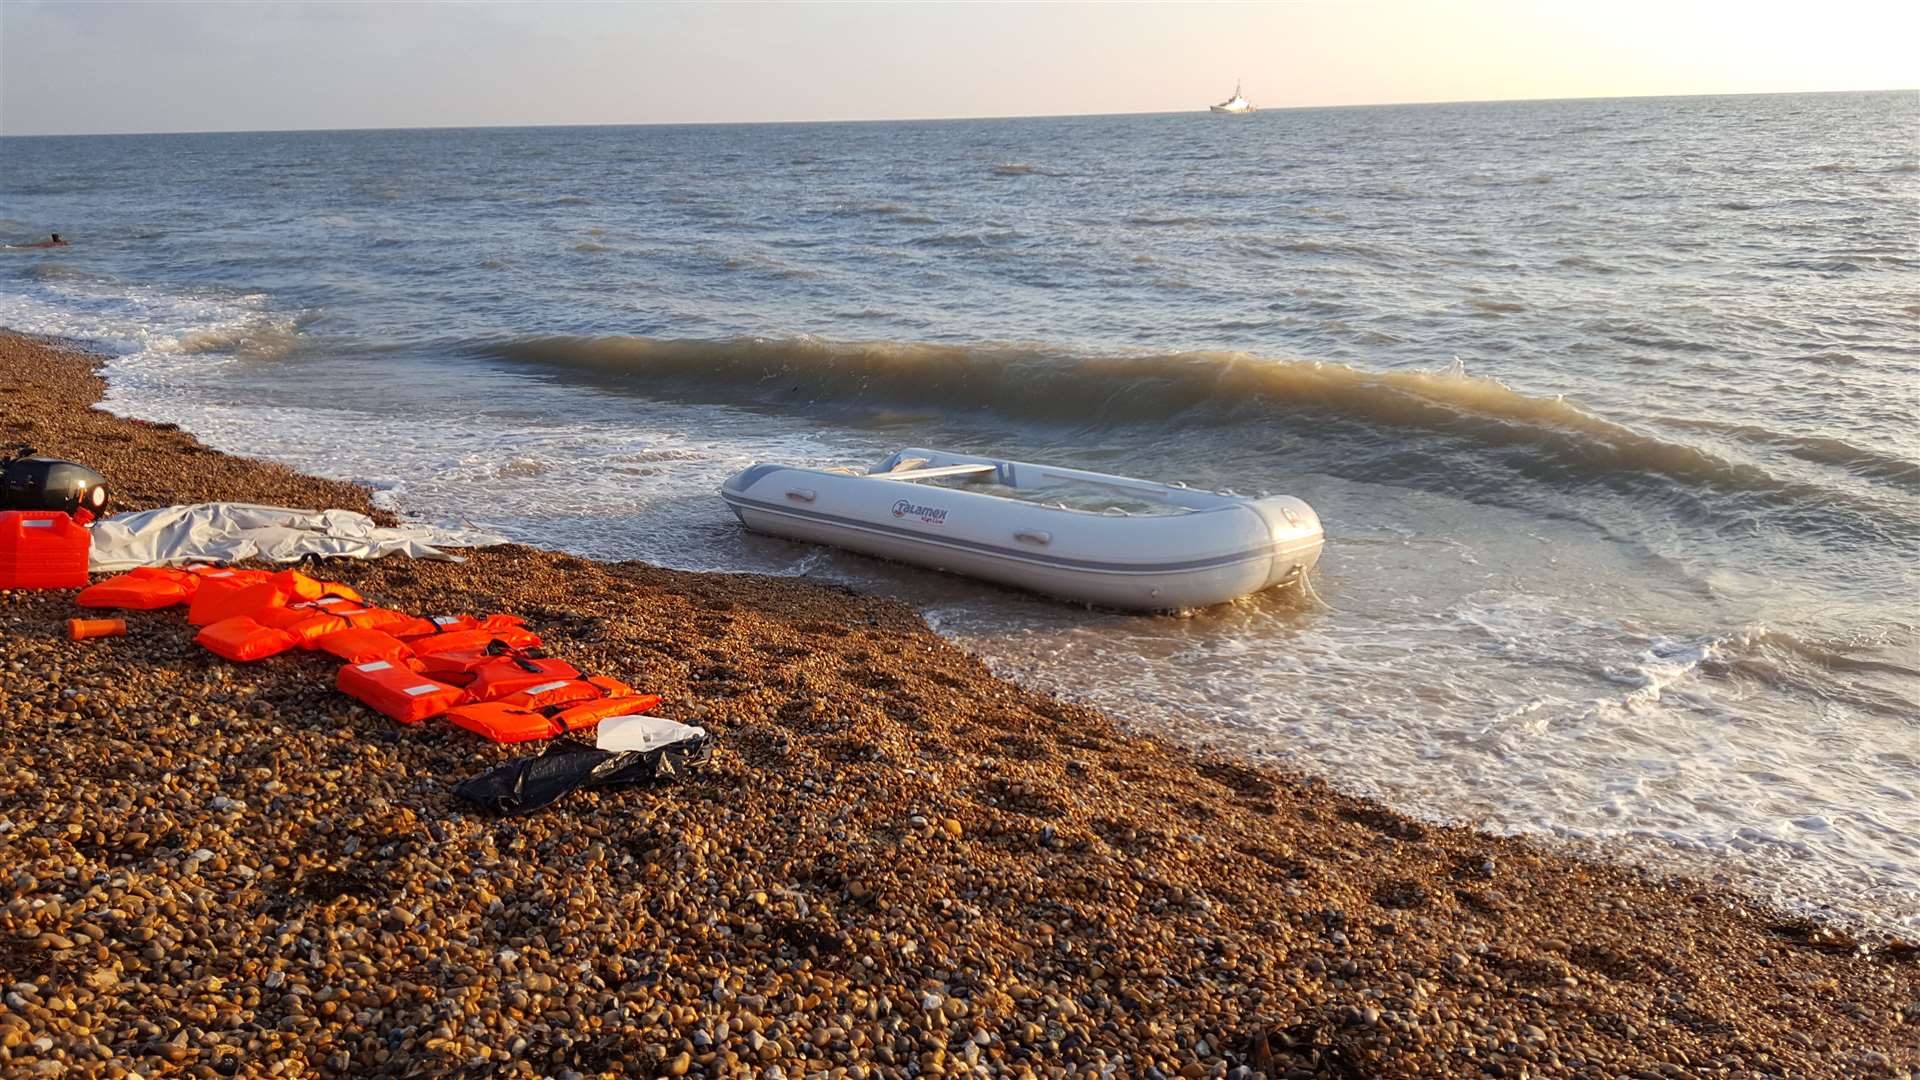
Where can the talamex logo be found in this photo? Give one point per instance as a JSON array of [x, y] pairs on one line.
[[930, 515]]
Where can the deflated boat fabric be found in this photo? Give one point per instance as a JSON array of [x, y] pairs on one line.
[[230, 532], [529, 783]]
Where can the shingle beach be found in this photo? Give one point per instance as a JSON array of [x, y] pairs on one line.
[[896, 865]]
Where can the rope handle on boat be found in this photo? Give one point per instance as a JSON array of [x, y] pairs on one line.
[[1306, 587], [1034, 536]]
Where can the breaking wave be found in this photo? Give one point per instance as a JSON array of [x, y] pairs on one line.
[[1545, 438], [262, 338]]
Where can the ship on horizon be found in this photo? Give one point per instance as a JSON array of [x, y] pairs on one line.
[[1235, 104]]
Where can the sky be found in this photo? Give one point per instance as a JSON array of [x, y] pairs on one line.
[[68, 68]]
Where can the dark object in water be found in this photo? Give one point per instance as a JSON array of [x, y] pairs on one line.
[[529, 783], [28, 482]]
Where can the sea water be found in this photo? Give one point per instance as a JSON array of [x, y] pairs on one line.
[[1609, 406]]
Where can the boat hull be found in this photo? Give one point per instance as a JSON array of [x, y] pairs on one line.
[[1149, 563]]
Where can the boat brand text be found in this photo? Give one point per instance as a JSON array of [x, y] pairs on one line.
[[928, 515]]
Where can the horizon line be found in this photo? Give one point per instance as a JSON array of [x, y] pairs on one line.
[[1202, 111]]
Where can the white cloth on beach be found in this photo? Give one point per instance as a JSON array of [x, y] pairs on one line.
[[643, 733], [228, 532]]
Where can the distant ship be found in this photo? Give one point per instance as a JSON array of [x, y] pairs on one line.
[[1234, 104]]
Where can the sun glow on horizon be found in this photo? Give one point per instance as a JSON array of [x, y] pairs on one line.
[[108, 67]]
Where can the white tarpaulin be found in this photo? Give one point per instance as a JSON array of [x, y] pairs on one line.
[[229, 532]]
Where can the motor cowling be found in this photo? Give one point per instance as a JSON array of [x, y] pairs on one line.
[[29, 482]]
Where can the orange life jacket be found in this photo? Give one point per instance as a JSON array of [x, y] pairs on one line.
[[414, 627], [500, 676], [589, 713], [455, 655], [302, 587], [447, 624], [240, 638], [307, 621], [358, 645], [554, 692], [502, 722], [144, 588], [232, 592], [611, 686], [396, 691], [475, 641], [603, 696], [363, 616]]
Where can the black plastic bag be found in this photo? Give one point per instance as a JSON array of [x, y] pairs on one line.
[[529, 783]]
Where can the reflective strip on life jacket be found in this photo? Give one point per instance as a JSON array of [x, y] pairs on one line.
[[241, 639], [397, 692], [144, 588], [358, 645]]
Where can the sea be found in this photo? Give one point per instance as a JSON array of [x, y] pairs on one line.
[[1611, 408]]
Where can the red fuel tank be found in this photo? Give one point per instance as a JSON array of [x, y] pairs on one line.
[[42, 549]]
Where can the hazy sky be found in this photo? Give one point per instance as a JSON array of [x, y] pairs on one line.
[[105, 67]]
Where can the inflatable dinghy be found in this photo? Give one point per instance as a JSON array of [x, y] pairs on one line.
[[1068, 533]]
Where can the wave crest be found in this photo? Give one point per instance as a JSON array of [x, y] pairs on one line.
[[1050, 385]]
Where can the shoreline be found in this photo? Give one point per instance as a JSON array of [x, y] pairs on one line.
[[896, 863]]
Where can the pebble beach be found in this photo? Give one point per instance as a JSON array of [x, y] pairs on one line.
[[895, 865]]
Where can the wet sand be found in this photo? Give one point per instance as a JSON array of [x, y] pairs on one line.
[[896, 865]]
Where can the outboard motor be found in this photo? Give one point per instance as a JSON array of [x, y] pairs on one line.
[[36, 483]]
